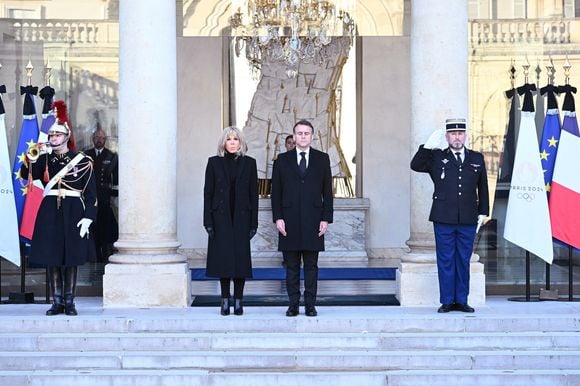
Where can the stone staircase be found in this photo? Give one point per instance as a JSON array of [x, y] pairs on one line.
[[342, 346]]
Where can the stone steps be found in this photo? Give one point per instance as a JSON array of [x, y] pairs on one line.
[[286, 378], [515, 344], [326, 322], [128, 342], [293, 360]]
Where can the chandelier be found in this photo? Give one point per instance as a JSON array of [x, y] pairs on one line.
[[288, 31]]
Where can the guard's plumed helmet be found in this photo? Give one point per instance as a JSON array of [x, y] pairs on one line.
[[60, 125]]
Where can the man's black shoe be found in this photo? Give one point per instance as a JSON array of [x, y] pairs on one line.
[[464, 308], [311, 311], [292, 311], [445, 308]]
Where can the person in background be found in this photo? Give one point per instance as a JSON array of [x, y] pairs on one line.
[[289, 143], [230, 216], [106, 166], [460, 205], [61, 240]]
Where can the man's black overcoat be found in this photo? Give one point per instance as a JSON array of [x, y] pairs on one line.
[[302, 201]]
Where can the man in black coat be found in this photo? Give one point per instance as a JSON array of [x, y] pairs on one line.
[[302, 206], [106, 228], [460, 205]]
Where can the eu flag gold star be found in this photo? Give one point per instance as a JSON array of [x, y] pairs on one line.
[[548, 187], [544, 155], [552, 142]]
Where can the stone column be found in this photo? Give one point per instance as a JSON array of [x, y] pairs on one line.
[[147, 271], [439, 90]]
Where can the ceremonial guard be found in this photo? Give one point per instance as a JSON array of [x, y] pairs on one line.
[[460, 205], [61, 240]]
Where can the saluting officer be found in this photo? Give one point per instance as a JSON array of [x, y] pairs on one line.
[[460, 205], [106, 174]]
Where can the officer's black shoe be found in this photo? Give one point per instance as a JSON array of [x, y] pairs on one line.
[[445, 308], [464, 308], [225, 307], [311, 311], [292, 311]]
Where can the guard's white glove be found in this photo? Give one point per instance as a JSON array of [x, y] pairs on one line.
[[435, 139], [480, 220], [84, 224], [46, 149]]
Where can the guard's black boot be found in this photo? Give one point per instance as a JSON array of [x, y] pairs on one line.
[[225, 306], [55, 281], [70, 286], [238, 307]]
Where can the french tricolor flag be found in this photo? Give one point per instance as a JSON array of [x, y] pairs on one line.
[[565, 193]]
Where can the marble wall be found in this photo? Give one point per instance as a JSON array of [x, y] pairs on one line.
[[345, 239]]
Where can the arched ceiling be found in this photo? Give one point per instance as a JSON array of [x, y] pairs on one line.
[[373, 17]]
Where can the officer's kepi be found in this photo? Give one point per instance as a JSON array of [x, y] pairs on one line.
[[455, 124]]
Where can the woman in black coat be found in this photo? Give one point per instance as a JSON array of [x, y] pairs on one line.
[[230, 216]]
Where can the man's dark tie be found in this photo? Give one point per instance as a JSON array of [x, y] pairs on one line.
[[458, 155], [302, 164]]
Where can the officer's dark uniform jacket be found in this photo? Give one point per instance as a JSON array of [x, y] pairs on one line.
[[106, 166], [461, 191], [56, 240], [106, 175]]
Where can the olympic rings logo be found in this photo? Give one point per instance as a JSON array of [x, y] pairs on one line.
[[527, 196]]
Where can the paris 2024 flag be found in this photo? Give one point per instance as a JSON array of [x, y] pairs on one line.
[[565, 194], [9, 241], [527, 222]]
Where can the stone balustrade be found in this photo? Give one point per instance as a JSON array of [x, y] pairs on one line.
[[513, 31], [63, 31], [105, 90]]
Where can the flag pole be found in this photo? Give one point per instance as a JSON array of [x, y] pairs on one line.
[[528, 297], [23, 297], [549, 129], [570, 275]]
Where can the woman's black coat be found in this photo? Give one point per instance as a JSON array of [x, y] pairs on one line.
[[228, 252]]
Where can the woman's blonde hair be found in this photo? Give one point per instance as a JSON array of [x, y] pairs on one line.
[[223, 138]]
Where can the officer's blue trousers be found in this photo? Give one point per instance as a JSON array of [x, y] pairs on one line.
[[454, 245]]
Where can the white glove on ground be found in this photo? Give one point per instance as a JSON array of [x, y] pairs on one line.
[[480, 219], [84, 224], [435, 139]]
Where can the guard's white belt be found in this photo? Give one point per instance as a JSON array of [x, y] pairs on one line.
[[63, 193]]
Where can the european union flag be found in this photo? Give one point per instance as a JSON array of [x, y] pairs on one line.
[[550, 136], [28, 137]]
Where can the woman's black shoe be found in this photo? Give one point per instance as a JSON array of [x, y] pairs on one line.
[[238, 308], [225, 307]]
